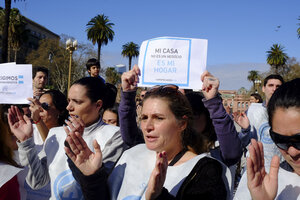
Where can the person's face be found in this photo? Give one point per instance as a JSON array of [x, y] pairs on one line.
[[270, 88], [51, 114], [94, 71], [110, 118], [253, 100], [161, 130], [40, 80], [82, 106], [287, 122]]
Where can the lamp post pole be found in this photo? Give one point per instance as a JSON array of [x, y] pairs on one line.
[[70, 46], [257, 84]]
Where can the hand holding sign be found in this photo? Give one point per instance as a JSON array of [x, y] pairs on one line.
[[210, 85], [130, 79]]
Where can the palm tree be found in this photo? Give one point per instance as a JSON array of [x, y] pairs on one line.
[[17, 34], [252, 76], [99, 30], [130, 50], [5, 30], [298, 30], [276, 57]]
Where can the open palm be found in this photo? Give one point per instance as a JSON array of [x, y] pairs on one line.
[[85, 160], [262, 186], [19, 125]]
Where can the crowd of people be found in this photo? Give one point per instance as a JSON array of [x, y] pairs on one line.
[[163, 143]]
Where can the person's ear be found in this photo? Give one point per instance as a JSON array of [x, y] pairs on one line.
[[183, 123], [99, 104], [89, 71], [263, 89]]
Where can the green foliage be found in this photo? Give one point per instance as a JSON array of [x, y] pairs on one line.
[[130, 50], [252, 76], [293, 70], [52, 54], [99, 30], [276, 57], [298, 30], [17, 33], [112, 76]]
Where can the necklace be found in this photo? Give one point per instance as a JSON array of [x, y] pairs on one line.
[[177, 157]]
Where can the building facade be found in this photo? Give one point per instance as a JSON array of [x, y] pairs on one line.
[[235, 101], [36, 32]]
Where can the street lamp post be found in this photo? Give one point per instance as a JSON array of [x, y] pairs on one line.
[[257, 83], [70, 46]]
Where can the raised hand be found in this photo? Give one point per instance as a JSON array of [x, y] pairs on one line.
[[75, 124], [262, 186], [130, 79], [85, 160], [158, 176], [210, 85], [241, 119], [35, 109], [19, 125]]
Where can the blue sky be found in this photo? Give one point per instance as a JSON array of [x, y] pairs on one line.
[[239, 32]]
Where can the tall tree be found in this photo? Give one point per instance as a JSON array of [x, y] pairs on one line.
[[252, 76], [17, 33], [276, 57], [298, 30], [5, 31], [112, 76], [130, 50], [99, 30], [52, 53]]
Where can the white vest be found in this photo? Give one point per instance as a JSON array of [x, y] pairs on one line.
[[288, 187], [130, 176], [258, 118]]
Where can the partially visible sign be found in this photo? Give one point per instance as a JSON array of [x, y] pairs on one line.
[[15, 83], [172, 60]]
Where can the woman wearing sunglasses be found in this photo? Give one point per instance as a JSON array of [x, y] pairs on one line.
[[282, 181], [162, 168], [48, 112], [86, 97]]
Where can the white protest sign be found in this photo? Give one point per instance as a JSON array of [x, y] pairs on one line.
[[15, 83], [172, 60]]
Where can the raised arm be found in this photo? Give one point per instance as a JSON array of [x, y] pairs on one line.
[[130, 132], [86, 166], [21, 127], [35, 108], [262, 186], [230, 144]]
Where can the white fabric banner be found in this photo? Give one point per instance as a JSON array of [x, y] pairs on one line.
[[15, 83], [172, 60]]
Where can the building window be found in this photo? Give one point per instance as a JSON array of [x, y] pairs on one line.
[[239, 104], [246, 104]]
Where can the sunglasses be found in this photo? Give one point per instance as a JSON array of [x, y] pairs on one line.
[[45, 106], [284, 142], [164, 88]]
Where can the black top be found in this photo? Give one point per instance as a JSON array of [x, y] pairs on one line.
[[205, 181]]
